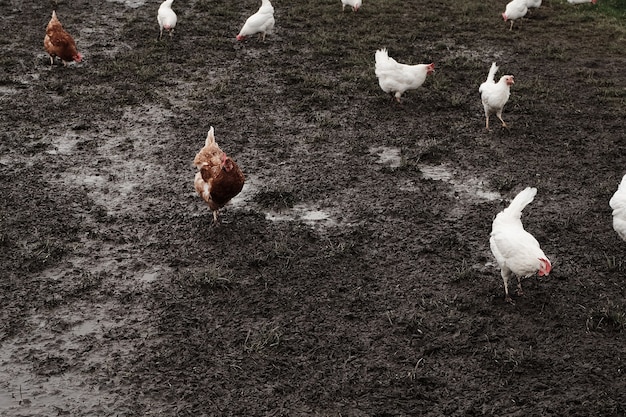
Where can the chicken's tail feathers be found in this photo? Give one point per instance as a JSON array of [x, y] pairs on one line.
[[492, 72], [525, 197], [622, 184], [382, 55], [210, 137], [618, 200]]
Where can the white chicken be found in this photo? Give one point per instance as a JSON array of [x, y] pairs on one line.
[[495, 95], [516, 9], [533, 4], [262, 22], [582, 1], [355, 4], [618, 204], [396, 78], [516, 250], [166, 18]]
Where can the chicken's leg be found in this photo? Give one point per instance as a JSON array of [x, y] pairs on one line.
[[506, 273], [499, 114], [216, 221], [519, 290]]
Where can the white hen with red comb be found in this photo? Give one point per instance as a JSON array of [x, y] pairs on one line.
[[516, 250], [262, 22], [516, 9], [396, 78], [166, 18], [494, 95]]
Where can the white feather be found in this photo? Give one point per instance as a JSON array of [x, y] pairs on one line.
[[618, 204]]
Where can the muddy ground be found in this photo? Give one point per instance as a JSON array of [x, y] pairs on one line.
[[352, 276]]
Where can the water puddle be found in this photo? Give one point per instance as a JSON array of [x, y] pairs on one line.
[[133, 3], [469, 186], [6, 91], [87, 327], [388, 156], [306, 213], [301, 212], [153, 274], [63, 144]]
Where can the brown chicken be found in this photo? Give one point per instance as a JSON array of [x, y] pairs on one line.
[[219, 178], [60, 43]]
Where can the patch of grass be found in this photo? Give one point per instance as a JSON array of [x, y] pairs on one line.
[[464, 272], [613, 8], [611, 317], [503, 184], [613, 264], [213, 277], [433, 151], [510, 358], [43, 254], [267, 336], [276, 199]]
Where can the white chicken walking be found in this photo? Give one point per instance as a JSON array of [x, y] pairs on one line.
[[495, 95], [355, 4], [262, 22], [618, 204], [396, 78], [516, 9], [166, 18], [516, 250]]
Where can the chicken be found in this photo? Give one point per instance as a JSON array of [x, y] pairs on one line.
[[219, 178], [618, 204], [533, 4], [58, 42], [355, 4], [495, 95], [396, 78], [582, 1], [516, 250], [516, 9], [167, 18], [262, 22]]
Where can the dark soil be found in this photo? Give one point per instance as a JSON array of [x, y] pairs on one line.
[[352, 276]]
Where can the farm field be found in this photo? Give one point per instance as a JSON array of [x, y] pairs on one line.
[[352, 276]]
